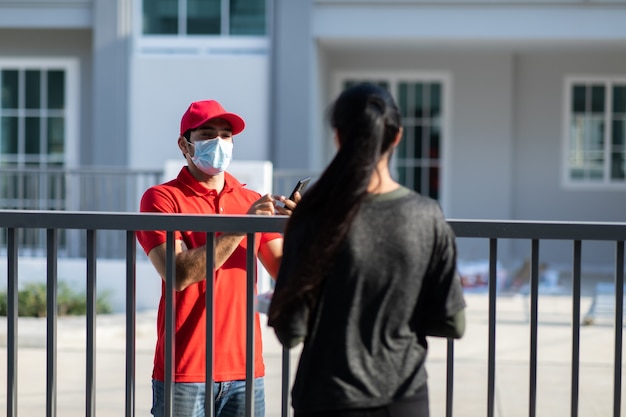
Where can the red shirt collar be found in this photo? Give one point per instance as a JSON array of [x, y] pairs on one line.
[[185, 178]]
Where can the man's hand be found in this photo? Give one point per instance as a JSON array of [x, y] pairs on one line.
[[264, 206], [269, 205], [289, 205]]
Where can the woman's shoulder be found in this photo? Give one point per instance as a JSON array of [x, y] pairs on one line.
[[403, 196]]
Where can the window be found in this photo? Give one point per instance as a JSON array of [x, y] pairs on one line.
[[37, 134], [418, 159], [34, 133], [204, 17], [417, 162], [596, 132]]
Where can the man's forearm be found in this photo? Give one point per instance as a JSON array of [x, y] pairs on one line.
[[191, 265], [225, 246]]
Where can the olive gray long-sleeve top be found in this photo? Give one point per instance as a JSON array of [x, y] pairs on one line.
[[393, 280]]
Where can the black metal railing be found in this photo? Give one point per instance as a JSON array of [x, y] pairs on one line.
[[90, 224], [94, 189]]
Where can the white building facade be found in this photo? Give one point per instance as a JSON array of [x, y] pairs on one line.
[[513, 109]]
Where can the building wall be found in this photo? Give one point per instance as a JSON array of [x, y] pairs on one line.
[[162, 87], [538, 189], [539, 96], [293, 85], [479, 170], [506, 62], [111, 49]]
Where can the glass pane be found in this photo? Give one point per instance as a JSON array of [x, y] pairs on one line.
[[435, 100], [403, 99], [56, 132], [594, 158], [618, 165], [402, 179], [8, 135], [595, 134], [160, 17], [33, 89], [419, 137], [576, 174], [586, 152], [9, 89], [433, 191], [417, 181], [204, 17], [247, 17], [407, 107], [619, 99], [597, 98], [56, 89], [579, 98], [32, 135], [596, 173], [577, 136], [434, 142], [619, 132], [417, 109]]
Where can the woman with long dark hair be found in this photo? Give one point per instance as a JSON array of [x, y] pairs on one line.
[[368, 271]]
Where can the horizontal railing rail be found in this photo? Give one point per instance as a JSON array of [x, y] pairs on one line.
[[92, 223], [108, 189]]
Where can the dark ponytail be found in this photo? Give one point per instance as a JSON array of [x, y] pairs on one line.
[[366, 121]]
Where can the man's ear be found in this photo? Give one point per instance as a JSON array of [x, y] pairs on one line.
[[183, 145]]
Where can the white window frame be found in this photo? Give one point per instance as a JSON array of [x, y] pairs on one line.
[[587, 185], [394, 78], [71, 68], [198, 45]]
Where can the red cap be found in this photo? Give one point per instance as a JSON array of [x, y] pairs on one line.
[[200, 112]]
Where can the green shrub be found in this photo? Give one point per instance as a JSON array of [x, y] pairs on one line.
[[31, 301]]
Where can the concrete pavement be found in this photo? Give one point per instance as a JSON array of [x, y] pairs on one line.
[[470, 381]]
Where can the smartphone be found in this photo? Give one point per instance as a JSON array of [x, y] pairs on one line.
[[300, 187]]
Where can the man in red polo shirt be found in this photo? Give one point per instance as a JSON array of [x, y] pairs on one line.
[[204, 186]]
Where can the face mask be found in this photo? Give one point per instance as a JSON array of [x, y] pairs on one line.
[[212, 156]]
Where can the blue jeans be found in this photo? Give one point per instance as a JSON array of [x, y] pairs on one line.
[[230, 399]]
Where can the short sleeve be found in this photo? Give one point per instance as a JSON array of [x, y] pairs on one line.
[[443, 292], [155, 200]]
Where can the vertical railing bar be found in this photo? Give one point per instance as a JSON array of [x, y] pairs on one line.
[[209, 400], [131, 325], [491, 361], [576, 294], [534, 303], [51, 321], [90, 377], [250, 315], [619, 322], [170, 279], [284, 396], [449, 377], [12, 322]]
